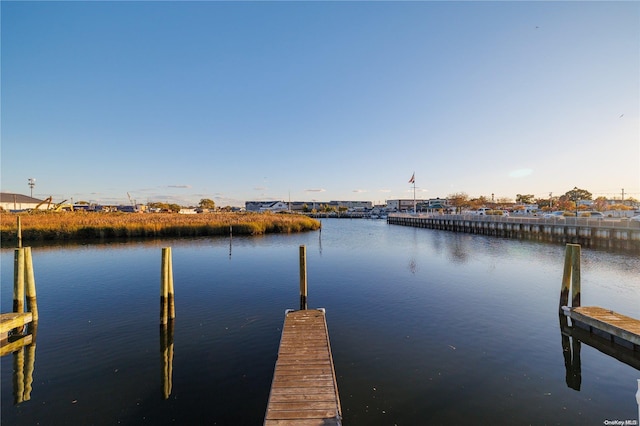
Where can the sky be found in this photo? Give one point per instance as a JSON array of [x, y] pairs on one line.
[[248, 101]]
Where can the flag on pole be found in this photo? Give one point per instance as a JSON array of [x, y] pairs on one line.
[[413, 178]]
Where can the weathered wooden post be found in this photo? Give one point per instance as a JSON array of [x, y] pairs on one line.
[[171, 301], [164, 286], [167, 306], [18, 281], [303, 277], [575, 276], [30, 281], [19, 233], [571, 277]]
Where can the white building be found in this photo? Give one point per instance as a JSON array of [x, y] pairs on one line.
[[9, 201], [266, 206]]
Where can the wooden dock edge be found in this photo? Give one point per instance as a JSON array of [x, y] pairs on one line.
[[13, 320], [319, 411], [621, 326]]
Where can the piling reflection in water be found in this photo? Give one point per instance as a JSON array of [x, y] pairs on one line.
[[166, 353], [24, 359], [571, 352]]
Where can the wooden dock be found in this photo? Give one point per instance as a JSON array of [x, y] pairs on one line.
[[616, 325], [613, 323], [304, 391], [8, 322]]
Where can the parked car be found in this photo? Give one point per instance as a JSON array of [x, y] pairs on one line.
[[593, 215], [636, 218], [557, 214]]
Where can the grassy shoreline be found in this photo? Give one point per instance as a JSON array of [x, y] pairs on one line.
[[52, 226]]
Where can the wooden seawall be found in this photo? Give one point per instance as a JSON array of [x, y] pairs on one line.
[[618, 234], [304, 391]]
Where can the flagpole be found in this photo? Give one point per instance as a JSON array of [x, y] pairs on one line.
[[414, 196], [413, 181]]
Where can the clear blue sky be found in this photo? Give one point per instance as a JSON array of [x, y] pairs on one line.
[[237, 101]]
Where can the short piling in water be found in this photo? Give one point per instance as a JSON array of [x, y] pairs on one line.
[[303, 277], [167, 304], [571, 277], [19, 232]]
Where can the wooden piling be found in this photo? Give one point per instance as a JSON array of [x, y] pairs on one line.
[[18, 281], [19, 232], [167, 304], [303, 277], [571, 277], [30, 284], [575, 276], [164, 286], [170, 293]]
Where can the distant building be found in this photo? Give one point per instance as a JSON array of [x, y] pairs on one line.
[[266, 206], [402, 205], [9, 201], [301, 206], [353, 205]]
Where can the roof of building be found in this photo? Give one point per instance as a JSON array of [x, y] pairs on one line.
[[8, 197]]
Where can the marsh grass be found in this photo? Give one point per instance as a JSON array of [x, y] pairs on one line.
[[40, 226]]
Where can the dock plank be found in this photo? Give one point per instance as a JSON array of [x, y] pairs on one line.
[[13, 320], [616, 324], [304, 389]]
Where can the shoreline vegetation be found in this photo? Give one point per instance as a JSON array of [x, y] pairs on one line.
[[65, 226]]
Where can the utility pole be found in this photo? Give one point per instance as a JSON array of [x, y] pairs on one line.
[[551, 201], [622, 196], [32, 183]]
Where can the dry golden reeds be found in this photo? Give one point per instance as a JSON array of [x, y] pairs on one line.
[[90, 225]]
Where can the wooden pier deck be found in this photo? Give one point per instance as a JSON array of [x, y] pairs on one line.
[[613, 323], [8, 322], [304, 390]]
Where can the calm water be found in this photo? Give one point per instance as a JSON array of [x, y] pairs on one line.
[[426, 327]]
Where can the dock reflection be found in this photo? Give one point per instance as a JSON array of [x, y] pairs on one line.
[[166, 353], [572, 338]]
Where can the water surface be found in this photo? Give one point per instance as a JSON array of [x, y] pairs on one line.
[[426, 327]]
